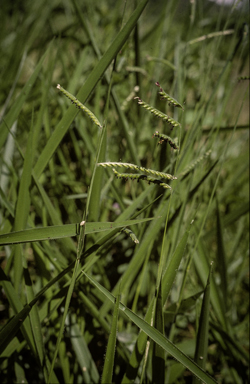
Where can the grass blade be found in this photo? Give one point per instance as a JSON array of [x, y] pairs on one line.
[[23, 208], [68, 299], [156, 336], [110, 353], [172, 268], [202, 337], [139, 256], [13, 113], [83, 355], [62, 231], [222, 263], [167, 282], [14, 325], [158, 358]]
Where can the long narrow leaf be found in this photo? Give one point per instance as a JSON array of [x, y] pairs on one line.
[[221, 255], [168, 279], [13, 325], [202, 337], [172, 269], [13, 113], [156, 336], [61, 231], [158, 357], [83, 355], [110, 353], [23, 208]]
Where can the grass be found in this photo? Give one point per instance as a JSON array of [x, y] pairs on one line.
[[124, 277]]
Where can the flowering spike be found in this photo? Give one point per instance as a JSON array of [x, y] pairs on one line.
[[161, 175], [131, 234], [167, 139], [134, 176], [194, 163], [240, 78], [170, 99], [158, 113], [79, 105]]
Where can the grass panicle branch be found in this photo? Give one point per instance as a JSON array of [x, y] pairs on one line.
[[196, 162], [211, 35], [131, 234], [158, 113], [242, 78], [170, 99], [138, 168], [135, 176], [79, 105], [130, 97], [164, 138]]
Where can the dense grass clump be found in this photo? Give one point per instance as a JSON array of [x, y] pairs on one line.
[[124, 215]]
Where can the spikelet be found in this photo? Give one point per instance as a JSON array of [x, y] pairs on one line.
[[80, 105], [136, 69], [211, 35], [193, 165], [134, 167], [240, 78], [165, 138], [135, 176], [170, 99], [158, 113], [129, 98], [131, 234]]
